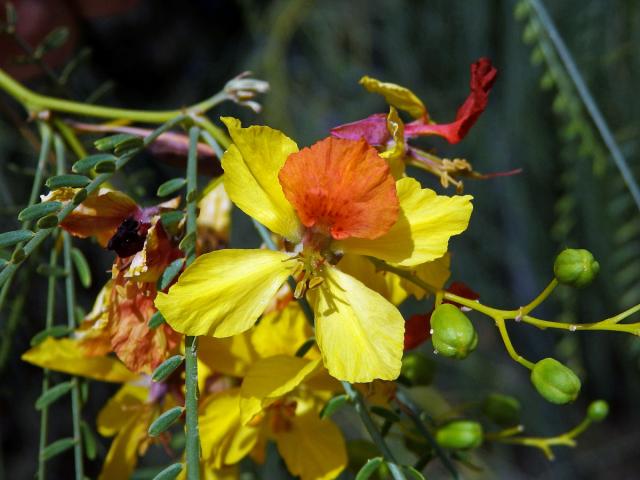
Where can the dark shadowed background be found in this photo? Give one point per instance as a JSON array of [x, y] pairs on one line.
[[146, 54]]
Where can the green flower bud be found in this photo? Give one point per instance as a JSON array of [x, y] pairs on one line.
[[453, 334], [554, 381], [598, 411], [502, 409], [417, 368], [460, 435], [575, 267]]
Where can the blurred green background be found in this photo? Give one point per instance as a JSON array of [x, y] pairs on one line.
[[146, 54]]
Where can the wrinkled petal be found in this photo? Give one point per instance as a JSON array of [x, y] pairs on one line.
[[251, 167], [372, 129], [119, 409], [270, 379], [360, 334], [225, 440], [400, 97], [122, 457], [313, 449], [341, 187], [65, 355], [422, 232], [224, 292], [139, 347], [158, 251], [386, 284], [483, 76], [98, 216], [281, 332]]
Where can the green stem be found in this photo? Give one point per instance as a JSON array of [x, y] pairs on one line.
[[191, 343], [588, 100], [44, 415], [411, 410], [375, 435], [214, 131], [35, 102], [70, 290], [6, 275], [75, 392], [70, 137], [504, 334]]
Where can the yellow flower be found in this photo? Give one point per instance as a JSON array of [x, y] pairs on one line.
[[127, 415], [280, 399], [335, 198]]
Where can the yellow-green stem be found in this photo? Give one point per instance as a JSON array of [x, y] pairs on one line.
[[76, 404], [191, 343]]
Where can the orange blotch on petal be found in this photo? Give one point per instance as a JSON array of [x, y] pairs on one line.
[[139, 347], [342, 188]]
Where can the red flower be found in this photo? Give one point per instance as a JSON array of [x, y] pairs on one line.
[[374, 128], [417, 330], [483, 76]]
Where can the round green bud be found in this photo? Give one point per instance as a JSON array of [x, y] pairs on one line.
[[502, 409], [575, 267], [555, 382], [417, 368], [452, 333], [598, 411], [460, 435]]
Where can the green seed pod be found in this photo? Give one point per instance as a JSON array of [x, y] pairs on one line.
[[575, 267], [453, 334], [502, 409], [598, 411], [460, 435], [555, 382], [417, 368]]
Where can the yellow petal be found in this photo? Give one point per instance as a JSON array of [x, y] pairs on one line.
[[423, 229], [225, 440], [435, 273], [119, 408], [230, 356], [281, 332], [395, 155], [224, 292], [313, 448], [251, 167], [215, 211], [65, 355], [270, 379], [360, 334], [386, 284], [400, 97], [123, 454]]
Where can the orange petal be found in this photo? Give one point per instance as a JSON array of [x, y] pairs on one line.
[[341, 187], [139, 347], [99, 215]]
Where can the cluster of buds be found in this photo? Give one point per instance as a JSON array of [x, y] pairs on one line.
[[243, 89]]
